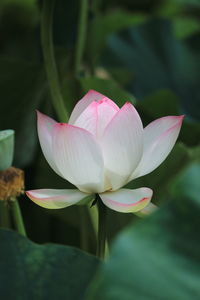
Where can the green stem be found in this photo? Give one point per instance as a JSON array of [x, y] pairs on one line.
[[49, 59], [83, 228], [81, 36], [4, 214], [101, 240], [17, 217], [93, 213]]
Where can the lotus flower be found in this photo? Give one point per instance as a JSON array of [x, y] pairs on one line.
[[100, 150]]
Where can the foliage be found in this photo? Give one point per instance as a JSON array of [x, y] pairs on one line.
[[153, 259], [146, 52], [42, 272]]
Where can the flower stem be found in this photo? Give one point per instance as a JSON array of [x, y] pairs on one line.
[[81, 36], [83, 228], [101, 239], [17, 217], [49, 59], [4, 214], [93, 214]]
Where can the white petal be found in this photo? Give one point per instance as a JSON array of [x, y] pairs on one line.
[[106, 110], [125, 200], [122, 145], [96, 116], [78, 157], [148, 210], [159, 139], [83, 103], [54, 199], [88, 118], [45, 130]]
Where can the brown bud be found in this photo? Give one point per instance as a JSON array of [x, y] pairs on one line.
[[11, 183]]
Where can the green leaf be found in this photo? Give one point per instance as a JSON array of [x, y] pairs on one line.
[[164, 102], [107, 87], [165, 176], [31, 271], [173, 8], [184, 27], [21, 2], [157, 258], [6, 148], [158, 60], [194, 3], [22, 87], [187, 184], [104, 25], [159, 104], [160, 179]]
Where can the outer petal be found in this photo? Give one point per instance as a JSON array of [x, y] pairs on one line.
[[45, 130], [159, 139], [53, 199], [148, 210], [84, 102], [122, 145], [125, 200], [96, 116], [78, 157]]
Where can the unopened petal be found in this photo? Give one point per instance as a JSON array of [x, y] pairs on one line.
[[78, 157], [88, 118], [45, 126], [127, 201], [96, 116], [106, 110], [122, 145], [83, 103], [159, 139], [54, 199]]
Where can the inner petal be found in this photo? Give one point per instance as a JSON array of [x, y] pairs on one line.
[[106, 110], [96, 116]]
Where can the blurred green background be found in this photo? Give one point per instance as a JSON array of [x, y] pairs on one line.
[[144, 51]]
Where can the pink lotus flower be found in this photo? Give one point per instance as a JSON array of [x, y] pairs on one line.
[[100, 150]]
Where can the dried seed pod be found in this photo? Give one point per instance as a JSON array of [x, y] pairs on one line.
[[11, 183]]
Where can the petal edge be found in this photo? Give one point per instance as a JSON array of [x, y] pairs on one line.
[[55, 199], [45, 126], [82, 104], [159, 139], [126, 200]]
